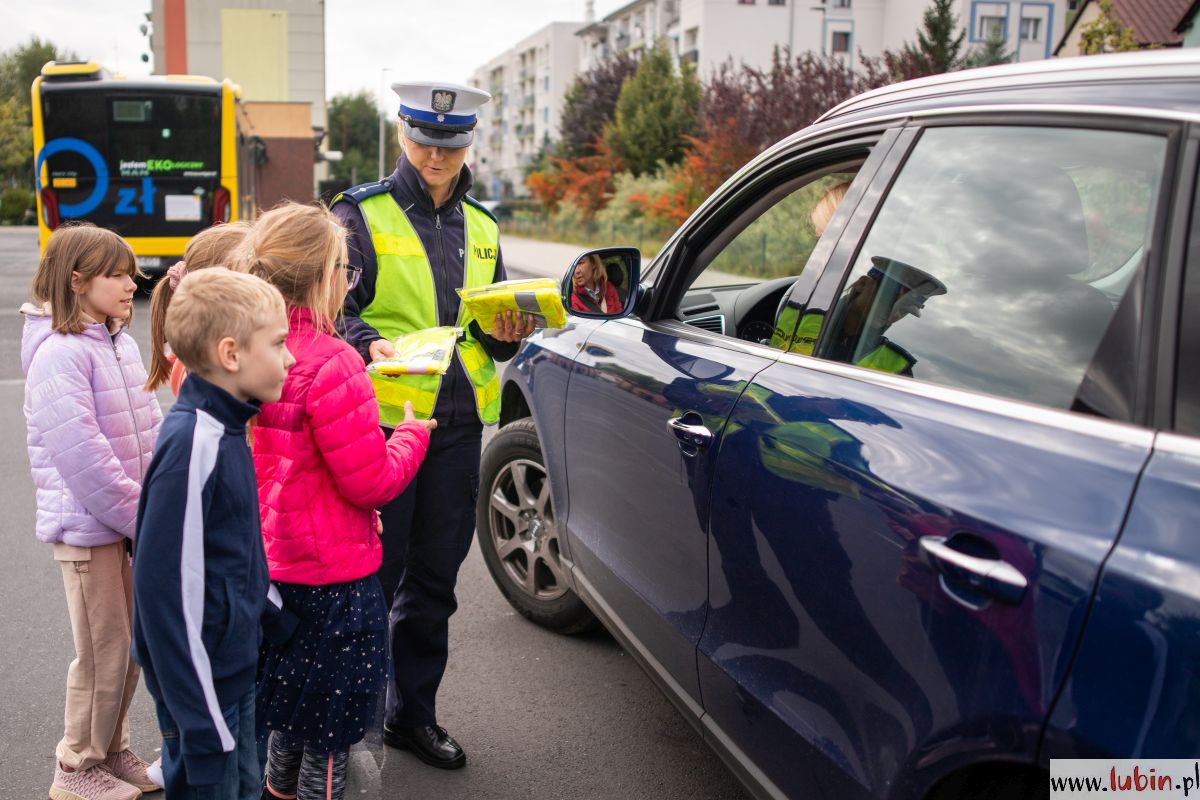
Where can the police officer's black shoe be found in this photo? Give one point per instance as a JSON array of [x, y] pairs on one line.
[[430, 743]]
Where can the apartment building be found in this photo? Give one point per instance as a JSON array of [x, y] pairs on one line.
[[527, 83], [710, 32]]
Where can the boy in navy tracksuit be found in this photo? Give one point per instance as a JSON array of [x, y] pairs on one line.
[[200, 576]]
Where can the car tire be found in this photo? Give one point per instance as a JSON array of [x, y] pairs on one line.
[[518, 533]]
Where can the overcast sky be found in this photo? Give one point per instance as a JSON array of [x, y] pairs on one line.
[[443, 39]]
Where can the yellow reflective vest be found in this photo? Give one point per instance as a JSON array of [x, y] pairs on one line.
[[405, 301]]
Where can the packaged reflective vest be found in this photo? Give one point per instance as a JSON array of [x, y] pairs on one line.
[[423, 352], [538, 297]]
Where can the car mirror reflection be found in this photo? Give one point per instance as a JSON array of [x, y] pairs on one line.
[[601, 283]]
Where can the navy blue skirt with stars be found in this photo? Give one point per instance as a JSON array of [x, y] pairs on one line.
[[326, 684]]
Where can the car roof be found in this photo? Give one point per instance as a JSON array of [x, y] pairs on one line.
[[1163, 80]]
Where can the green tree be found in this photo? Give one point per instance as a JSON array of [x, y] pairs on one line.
[[1106, 34], [20, 65], [590, 104], [16, 140], [940, 40], [354, 129], [656, 109], [993, 51], [18, 68]]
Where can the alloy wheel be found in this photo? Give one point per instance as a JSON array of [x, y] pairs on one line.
[[523, 530]]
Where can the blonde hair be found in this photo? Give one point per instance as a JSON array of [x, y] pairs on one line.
[[301, 251], [89, 252], [213, 304], [211, 247], [823, 211]]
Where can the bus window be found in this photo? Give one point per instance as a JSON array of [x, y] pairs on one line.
[[141, 158]]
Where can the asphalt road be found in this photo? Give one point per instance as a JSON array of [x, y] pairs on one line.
[[540, 715]]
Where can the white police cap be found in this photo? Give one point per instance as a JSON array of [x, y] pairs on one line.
[[439, 114]]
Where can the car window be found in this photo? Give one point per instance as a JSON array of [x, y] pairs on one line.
[[756, 258], [999, 261], [778, 243]]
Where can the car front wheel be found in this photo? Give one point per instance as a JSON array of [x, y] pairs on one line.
[[518, 532]]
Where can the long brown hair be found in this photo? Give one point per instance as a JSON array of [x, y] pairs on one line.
[[89, 252], [301, 251], [211, 247]]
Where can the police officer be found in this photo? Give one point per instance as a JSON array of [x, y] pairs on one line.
[[417, 236]]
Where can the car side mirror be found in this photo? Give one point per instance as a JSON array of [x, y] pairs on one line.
[[602, 283]]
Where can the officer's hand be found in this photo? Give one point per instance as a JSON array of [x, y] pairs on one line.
[[380, 348], [429, 424], [512, 326]]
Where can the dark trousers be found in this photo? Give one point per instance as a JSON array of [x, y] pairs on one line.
[[241, 778], [426, 535]]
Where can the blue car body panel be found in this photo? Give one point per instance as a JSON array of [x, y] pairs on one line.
[[645, 551], [832, 639], [1135, 686]]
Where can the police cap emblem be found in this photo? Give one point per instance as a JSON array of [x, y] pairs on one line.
[[443, 101]]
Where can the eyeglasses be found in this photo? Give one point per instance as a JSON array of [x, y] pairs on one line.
[[353, 275]]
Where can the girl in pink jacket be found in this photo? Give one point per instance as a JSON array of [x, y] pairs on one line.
[[323, 466], [91, 431]]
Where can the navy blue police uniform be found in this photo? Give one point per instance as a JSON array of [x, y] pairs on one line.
[[427, 530]]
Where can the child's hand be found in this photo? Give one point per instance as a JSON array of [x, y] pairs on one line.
[[429, 424], [378, 525], [380, 348]]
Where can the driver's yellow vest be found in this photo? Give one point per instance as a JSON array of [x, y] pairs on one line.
[[406, 301], [804, 336]]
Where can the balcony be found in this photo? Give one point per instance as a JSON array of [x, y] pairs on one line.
[[528, 102]]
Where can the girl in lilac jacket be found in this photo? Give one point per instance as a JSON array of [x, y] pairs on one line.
[[91, 431]]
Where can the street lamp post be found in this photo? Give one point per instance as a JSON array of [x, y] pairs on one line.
[[383, 120], [381, 147]]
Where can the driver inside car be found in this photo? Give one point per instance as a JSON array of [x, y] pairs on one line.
[[804, 337]]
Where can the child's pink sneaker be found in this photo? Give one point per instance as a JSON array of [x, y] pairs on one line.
[[93, 783], [129, 768]]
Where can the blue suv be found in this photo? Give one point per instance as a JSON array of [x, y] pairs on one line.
[[886, 468]]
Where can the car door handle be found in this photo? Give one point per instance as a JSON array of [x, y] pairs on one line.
[[689, 429], [992, 576]]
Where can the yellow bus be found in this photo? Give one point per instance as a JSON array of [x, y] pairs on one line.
[[155, 159]]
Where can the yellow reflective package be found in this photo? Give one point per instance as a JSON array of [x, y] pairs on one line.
[[538, 297], [424, 352]]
